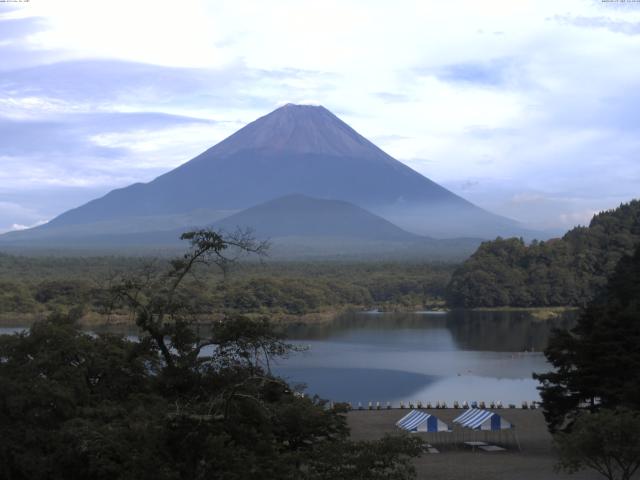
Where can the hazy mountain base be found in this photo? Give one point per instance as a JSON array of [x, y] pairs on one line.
[[124, 225], [294, 248], [299, 227], [298, 248]]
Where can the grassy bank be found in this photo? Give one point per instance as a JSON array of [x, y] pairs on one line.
[[538, 313], [534, 462], [322, 316]]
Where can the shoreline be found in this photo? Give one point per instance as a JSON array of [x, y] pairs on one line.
[[538, 313], [321, 317]]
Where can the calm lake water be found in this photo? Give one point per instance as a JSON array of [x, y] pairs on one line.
[[424, 356], [393, 357]]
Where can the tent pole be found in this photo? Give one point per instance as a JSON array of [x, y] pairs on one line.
[[515, 436]]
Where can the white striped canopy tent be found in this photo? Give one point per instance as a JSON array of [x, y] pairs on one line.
[[478, 419], [417, 421]]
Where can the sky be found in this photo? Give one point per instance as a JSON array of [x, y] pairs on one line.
[[530, 109]]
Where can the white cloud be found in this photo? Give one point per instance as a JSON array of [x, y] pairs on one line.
[[19, 226], [11, 211]]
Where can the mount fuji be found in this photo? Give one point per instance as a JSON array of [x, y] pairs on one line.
[[294, 150]]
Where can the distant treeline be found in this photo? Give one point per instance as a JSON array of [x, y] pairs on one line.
[[38, 285], [558, 272]]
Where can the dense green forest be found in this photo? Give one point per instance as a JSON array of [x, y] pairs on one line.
[[559, 272], [36, 286]]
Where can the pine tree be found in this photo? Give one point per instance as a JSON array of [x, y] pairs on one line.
[[597, 364]]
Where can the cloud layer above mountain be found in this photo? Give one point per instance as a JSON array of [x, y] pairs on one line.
[[529, 109]]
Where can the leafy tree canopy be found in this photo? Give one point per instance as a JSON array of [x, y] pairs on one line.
[[558, 272], [607, 441], [173, 404]]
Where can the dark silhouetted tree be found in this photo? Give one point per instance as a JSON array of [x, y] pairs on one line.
[[175, 403], [607, 441], [597, 363]]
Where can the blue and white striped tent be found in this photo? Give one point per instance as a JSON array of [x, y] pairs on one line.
[[417, 421], [478, 419]]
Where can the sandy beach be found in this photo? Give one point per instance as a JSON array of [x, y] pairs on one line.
[[455, 461]]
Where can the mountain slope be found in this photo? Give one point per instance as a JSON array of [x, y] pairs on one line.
[[296, 149]]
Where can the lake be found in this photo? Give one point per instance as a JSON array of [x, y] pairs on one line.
[[425, 356], [422, 356]]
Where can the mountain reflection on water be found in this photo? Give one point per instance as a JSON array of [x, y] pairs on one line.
[[499, 331], [458, 355]]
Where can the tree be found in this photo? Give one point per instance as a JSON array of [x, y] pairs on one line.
[[607, 441], [67, 398], [238, 244], [559, 272], [159, 304], [173, 404], [386, 459], [597, 363]]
